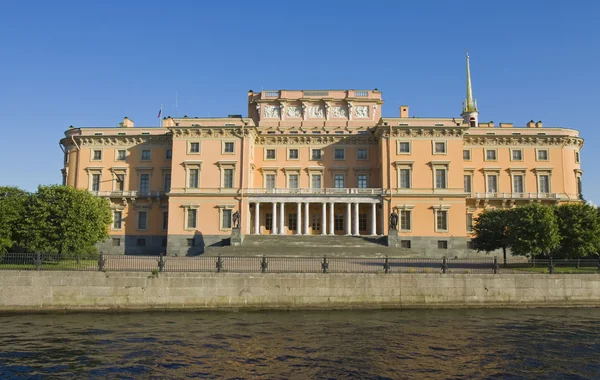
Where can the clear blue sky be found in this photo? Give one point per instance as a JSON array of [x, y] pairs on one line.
[[86, 63]]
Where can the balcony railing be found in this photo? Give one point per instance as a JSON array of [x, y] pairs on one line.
[[129, 194], [331, 191], [514, 195]]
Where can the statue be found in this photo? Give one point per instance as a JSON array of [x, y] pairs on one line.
[[394, 220], [236, 219]]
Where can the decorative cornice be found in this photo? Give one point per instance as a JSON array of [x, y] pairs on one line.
[[316, 140], [383, 131], [212, 132], [470, 140], [118, 140]]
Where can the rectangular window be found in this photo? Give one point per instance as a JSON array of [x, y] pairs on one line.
[[293, 154], [226, 219], [144, 183], [403, 147], [193, 180], [95, 182], [469, 222], [518, 183], [97, 155], [140, 242], [439, 148], [361, 154], [440, 178], [339, 154], [142, 220], [491, 155], [442, 244], [165, 221], [146, 155], [168, 154], [362, 181], [66, 158], [228, 147], [542, 155], [117, 220], [315, 154], [576, 157], [228, 178], [270, 154], [404, 179], [116, 242], [405, 222], [316, 222], [442, 220], [191, 242], [268, 221], [121, 155], [544, 183], [293, 181], [194, 147], [362, 222], [270, 181], [516, 155], [467, 183], [466, 155], [405, 244], [167, 182], [339, 181], [339, 222], [492, 183], [315, 181], [191, 218], [292, 221]]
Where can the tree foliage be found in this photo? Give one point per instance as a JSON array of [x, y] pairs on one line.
[[533, 230], [12, 209], [579, 228], [65, 220], [492, 231]]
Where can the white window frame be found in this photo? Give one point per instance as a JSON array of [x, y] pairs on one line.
[[434, 142], [137, 219], [366, 174], [485, 154], [224, 143], [405, 208], [339, 159], [538, 177], [189, 147], [435, 168], [116, 172], [112, 224], [221, 216], [266, 158], [311, 154], [537, 154], [517, 150], [437, 209], [142, 155], [269, 173], [398, 152], [518, 172], [289, 150], [401, 167], [343, 174], [227, 165], [469, 225], [117, 155], [470, 175], [470, 154], [362, 159], [492, 174], [92, 151], [188, 165], [320, 180], [186, 209]]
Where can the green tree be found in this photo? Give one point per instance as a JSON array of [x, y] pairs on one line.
[[533, 230], [579, 230], [492, 231], [65, 220], [12, 210]]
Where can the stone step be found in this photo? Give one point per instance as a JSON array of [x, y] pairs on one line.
[[313, 241], [305, 251]]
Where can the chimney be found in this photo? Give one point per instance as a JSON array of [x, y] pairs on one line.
[[506, 125], [530, 124], [403, 111], [538, 124], [491, 124], [127, 122]]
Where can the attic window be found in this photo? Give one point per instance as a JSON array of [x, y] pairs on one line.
[[229, 125], [403, 125], [145, 133], [270, 132], [438, 125], [121, 133], [98, 134], [491, 133], [517, 133], [541, 134]]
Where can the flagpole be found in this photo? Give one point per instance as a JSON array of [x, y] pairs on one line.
[[159, 115]]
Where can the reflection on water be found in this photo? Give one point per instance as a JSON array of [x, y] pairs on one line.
[[419, 344]]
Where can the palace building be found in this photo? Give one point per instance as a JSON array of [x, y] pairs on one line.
[[319, 162]]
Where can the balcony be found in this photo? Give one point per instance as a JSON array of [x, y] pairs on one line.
[[310, 191], [513, 195], [129, 194]]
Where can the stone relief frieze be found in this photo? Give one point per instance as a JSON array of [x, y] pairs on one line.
[[294, 111], [361, 111], [271, 112], [316, 111], [339, 112]]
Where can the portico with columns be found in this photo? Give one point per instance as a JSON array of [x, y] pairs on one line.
[[289, 215]]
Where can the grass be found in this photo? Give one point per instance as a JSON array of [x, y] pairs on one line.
[[557, 270], [59, 265]]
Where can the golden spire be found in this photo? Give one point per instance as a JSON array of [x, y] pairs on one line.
[[470, 104]]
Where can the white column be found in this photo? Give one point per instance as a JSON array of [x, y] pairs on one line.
[[373, 219], [331, 219], [355, 220], [306, 218], [282, 219], [274, 219], [257, 219], [324, 219], [299, 219], [348, 219]]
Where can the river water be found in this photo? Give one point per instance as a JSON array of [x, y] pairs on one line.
[[406, 344]]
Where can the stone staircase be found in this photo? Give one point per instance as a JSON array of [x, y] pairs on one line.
[[317, 245]]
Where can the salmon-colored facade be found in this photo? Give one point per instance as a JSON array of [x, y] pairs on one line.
[[317, 163]]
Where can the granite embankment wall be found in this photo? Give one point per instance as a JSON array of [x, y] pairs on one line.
[[46, 291]]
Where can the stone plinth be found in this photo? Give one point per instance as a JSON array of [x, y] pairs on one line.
[[236, 237], [393, 240]]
